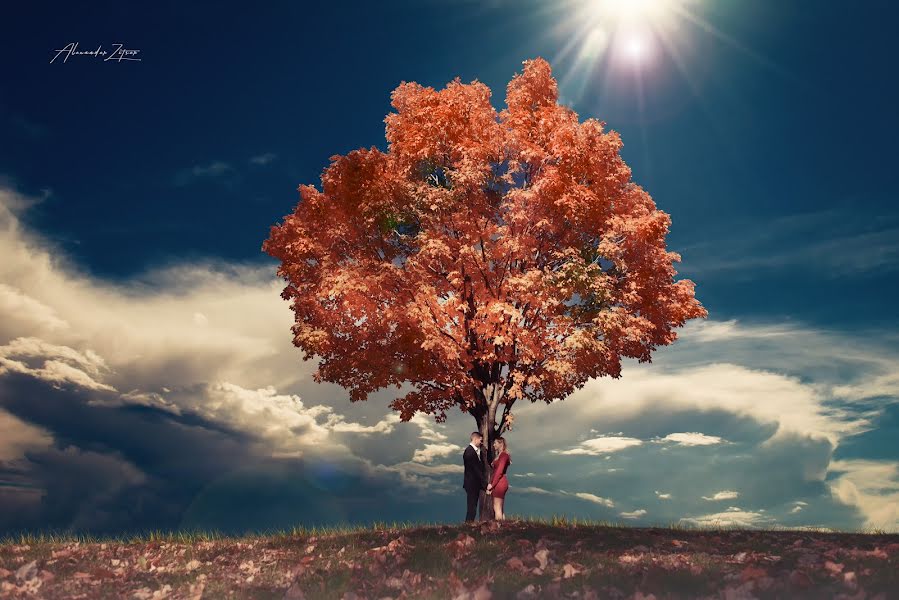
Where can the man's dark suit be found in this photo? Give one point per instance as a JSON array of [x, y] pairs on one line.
[[475, 479]]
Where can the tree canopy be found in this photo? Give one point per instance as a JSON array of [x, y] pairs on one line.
[[486, 257]]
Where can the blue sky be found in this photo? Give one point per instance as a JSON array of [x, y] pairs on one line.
[[147, 377]]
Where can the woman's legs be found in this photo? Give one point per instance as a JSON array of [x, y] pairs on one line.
[[498, 513]]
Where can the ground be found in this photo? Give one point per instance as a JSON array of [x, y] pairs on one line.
[[518, 559]]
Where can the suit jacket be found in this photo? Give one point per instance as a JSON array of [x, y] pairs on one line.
[[475, 471]]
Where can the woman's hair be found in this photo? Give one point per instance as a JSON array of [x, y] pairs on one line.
[[502, 441]]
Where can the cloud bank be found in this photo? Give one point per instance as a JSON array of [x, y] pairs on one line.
[[175, 398]]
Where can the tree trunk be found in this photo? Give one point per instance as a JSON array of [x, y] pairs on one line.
[[487, 427]]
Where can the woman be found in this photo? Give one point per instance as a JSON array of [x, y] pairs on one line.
[[499, 484]]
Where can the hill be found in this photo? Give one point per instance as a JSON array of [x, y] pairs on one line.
[[521, 559]]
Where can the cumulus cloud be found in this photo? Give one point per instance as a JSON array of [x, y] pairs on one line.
[[19, 436], [182, 384], [33, 314], [732, 517], [722, 495], [432, 451], [53, 363], [871, 485], [531, 489], [594, 498], [636, 514], [601, 445], [189, 360], [692, 438]]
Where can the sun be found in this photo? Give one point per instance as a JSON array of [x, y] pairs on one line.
[[635, 25]]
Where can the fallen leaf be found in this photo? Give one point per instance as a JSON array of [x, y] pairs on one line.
[[751, 572], [27, 571], [394, 582], [834, 568], [516, 564], [800, 579]]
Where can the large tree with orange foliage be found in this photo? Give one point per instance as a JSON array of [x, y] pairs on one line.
[[485, 258]]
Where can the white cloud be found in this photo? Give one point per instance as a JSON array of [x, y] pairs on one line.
[[692, 439], [723, 495], [19, 436], [662, 496], [430, 479], [263, 159], [215, 337], [34, 314], [432, 451], [872, 486], [636, 514], [429, 429], [208, 338], [733, 517], [53, 363], [533, 490], [595, 498], [793, 406], [706, 330], [601, 445], [212, 170], [851, 247]]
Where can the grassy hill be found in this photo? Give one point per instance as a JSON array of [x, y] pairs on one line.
[[517, 558]]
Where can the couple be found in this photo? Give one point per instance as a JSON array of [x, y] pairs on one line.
[[476, 478]]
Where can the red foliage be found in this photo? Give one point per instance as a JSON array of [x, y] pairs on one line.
[[485, 257]]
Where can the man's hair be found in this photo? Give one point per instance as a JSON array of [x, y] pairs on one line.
[[475, 433]]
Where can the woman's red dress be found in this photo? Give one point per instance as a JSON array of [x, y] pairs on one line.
[[499, 482]]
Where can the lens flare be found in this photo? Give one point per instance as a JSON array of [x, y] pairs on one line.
[[634, 10]]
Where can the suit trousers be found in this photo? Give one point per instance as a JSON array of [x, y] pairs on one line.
[[473, 496]]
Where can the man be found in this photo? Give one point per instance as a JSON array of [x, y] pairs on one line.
[[475, 474]]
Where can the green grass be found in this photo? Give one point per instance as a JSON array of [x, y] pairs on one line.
[[556, 521]]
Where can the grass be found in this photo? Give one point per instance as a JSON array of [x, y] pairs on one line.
[[561, 521]]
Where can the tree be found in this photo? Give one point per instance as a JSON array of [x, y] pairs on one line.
[[485, 258]]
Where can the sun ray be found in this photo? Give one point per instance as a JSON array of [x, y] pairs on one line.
[[734, 43]]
